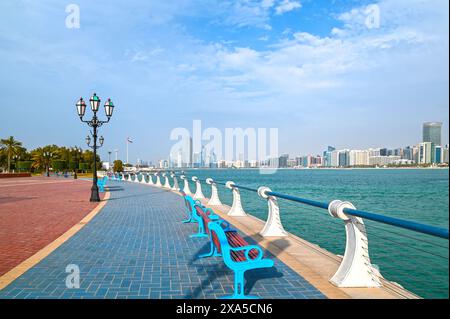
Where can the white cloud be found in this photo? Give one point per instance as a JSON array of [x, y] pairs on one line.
[[286, 6]]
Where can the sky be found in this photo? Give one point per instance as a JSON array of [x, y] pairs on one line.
[[315, 69]]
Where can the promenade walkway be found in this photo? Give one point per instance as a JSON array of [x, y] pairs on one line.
[[136, 247], [34, 211]]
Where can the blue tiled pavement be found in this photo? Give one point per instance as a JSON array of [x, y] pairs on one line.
[[136, 247]]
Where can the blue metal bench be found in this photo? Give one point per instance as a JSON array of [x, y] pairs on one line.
[[202, 215], [101, 183], [190, 203], [238, 255]]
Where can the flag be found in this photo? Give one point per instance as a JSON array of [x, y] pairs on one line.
[[129, 140]]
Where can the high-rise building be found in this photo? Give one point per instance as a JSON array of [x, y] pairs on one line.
[[327, 156], [438, 153], [334, 159], [426, 153], [283, 160], [445, 154], [383, 160], [432, 132], [344, 158], [359, 158]]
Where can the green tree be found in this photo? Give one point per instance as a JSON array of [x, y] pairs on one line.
[[118, 166], [10, 147], [59, 165], [42, 157], [83, 166], [24, 166]]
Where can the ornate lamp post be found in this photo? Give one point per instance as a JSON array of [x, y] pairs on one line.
[[95, 123], [77, 151], [48, 155]]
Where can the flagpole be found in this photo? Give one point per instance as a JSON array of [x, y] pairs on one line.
[[127, 151]]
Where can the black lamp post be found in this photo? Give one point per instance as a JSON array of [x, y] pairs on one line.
[[77, 152], [95, 123], [48, 155]]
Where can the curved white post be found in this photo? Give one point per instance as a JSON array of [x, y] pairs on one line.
[[129, 177], [214, 200], [158, 180], [166, 181], [355, 270], [273, 226], [143, 181], [236, 208], [136, 178], [186, 188], [175, 186], [198, 190]]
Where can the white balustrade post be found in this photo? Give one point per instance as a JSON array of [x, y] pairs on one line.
[[236, 208], [143, 181], [158, 180], [356, 270], [198, 190], [129, 177], [166, 181], [136, 178], [214, 200], [273, 226], [175, 186], [186, 188]]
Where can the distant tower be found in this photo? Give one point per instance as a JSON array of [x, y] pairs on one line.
[[432, 132]]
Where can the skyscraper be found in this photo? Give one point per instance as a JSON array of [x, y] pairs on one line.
[[427, 152], [432, 132]]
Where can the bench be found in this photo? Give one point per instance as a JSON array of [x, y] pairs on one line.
[[203, 216], [101, 183], [190, 203], [238, 255]]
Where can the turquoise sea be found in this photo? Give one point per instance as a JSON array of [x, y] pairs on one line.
[[415, 261]]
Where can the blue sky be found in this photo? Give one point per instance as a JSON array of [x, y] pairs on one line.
[[311, 68]]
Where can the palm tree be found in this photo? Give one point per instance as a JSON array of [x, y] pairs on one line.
[[41, 157], [10, 147]]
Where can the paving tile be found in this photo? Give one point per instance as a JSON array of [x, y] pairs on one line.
[[136, 247]]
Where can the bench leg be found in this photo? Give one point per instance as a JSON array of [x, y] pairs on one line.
[[212, 253], [201, 232], [239, 284], [189, 220]]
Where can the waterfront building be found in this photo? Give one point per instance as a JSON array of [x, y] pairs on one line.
[[359, 158], [383, 160], [283, 161], [383, 152], [445, 154], [438, 154], [415, 154], [334, 159], [408, 153], [292, 162], [327, 156], [432, 132], [344, 158], [426, 153], [254, 163], [376, 152]]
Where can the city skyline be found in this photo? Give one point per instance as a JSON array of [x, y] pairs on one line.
[[316, 71]]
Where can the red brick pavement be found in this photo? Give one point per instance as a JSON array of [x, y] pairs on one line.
[[35, 211]]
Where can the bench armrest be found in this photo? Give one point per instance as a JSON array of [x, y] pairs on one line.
[[221, 222], [198, 203], [247, 250]]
